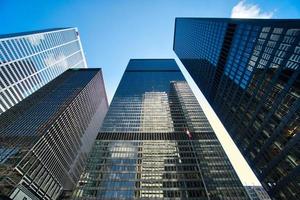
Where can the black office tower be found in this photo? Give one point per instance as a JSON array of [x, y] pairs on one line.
[[248, 69], [45, 139], [156, 143]]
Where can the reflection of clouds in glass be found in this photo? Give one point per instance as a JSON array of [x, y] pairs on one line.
[[123, 151], [155, 115], [36, 39], [52, 60]]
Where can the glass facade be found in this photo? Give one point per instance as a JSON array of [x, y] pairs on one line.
[[45, 139], [30, 60], [254, 87], [156, 142], [257, 193]]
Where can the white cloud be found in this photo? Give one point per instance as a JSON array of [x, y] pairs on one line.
[[246, 10]]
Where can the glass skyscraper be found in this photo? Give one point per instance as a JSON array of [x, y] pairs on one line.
[[248, 69], [29, 60], [45, 139], [156, 142]]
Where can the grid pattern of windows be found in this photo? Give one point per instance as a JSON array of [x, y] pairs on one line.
[[257, 193], [45, 139], [242, 47], [156, 143], [139, 169], [204, 38], [145, 107], [28, 61], [257, 97], [202, 46]]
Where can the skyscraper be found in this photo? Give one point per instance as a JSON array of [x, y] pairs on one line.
[[248, 69], [29, 60], [156, 142], [45, 139]]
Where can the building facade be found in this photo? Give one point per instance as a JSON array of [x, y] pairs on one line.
[[29, 60], [257, 193], [45, 139], [248, 69], [156, 142]]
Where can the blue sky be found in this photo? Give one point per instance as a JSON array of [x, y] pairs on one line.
[[114, 31]]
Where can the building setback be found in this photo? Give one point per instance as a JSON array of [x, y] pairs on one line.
[[45, 139], [29, 60], [248, 69], [156, 142]]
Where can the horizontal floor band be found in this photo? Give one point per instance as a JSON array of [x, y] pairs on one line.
[[154, 136]]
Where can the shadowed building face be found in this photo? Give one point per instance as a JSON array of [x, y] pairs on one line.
[[248, 69], [45, 139]]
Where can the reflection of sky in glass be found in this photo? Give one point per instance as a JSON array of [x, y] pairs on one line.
[[237, 67], [202, 39], [141, 101], [29, 61], [122, 160], [155, 114], [5, 153]]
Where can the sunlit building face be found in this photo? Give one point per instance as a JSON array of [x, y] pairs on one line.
[[30, 60]]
